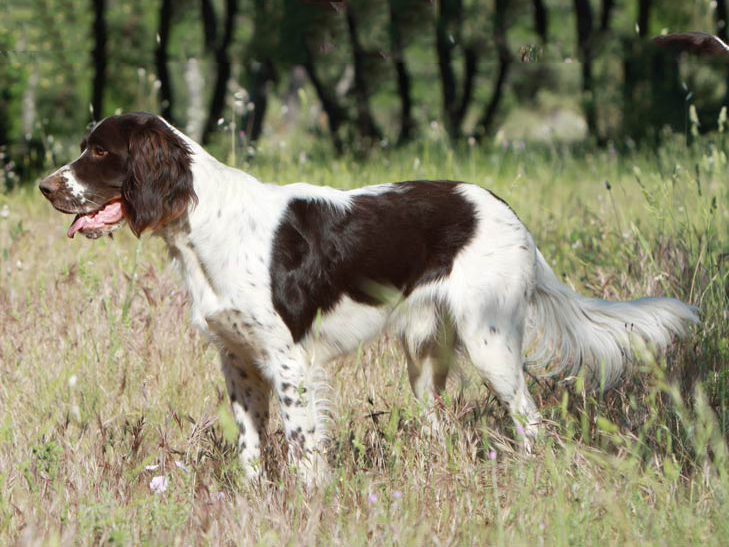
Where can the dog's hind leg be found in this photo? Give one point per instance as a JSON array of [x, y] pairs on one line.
[[494, 345], [428, 371], [249, 396]]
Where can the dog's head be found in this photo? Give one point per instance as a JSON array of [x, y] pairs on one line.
[[132, 167]]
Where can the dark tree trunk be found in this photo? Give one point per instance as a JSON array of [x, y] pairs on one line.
[[365, 123], [222, 59], [644, 14], [335, 113], [486, 122], [260, 74], [540, 20], [210, 24], [165, 90], [447, 12], [98, 56], [470, 63], [583, 13], [605, 13], [721, 20], [407, 124], [721, 32]]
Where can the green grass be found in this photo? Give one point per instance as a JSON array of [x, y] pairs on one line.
[[101, 376]]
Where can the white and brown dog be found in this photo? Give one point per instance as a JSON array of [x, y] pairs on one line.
[[283, 278]]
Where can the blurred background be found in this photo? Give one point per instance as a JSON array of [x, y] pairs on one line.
[[350, 77]]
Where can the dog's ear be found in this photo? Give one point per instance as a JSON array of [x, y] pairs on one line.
[[699, 43], [158, 186]]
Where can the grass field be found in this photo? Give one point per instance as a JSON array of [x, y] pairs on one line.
[[106, 392]]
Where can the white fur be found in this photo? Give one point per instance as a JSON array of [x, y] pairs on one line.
[[500, 291]]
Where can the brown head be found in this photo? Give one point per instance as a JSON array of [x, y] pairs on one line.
[[132, 167]]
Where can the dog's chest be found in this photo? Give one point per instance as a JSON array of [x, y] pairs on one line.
[[229, 287]]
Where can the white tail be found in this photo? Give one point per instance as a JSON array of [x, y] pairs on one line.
[[569, 331]]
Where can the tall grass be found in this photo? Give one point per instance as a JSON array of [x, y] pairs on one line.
[[104, 386]]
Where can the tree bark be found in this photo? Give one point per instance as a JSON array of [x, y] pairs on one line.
[[540, 19], [447, 12], [210, 25], [644, 13], [407, 124], [721, 31], [486, 122], [365, 123], [606, 9], [335, 113], [161, 58], [260, 74], [222, 58], [583, 13], [99, 59]]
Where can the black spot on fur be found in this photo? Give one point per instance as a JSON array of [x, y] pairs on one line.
[[403, 237], [287, 401], [493, 329]]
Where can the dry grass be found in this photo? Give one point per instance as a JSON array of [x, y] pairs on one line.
[[102, 378]]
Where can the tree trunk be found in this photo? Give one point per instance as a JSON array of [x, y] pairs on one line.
[[365, 123], [583, 13], [335, 113], [196, 99], [260, 74], [222, 59], [470, 62], [163, 34], [447, 12], [644, 12], [540, 20], [721, 32], [210, 25], [606, 9], [98, 56], [486, 122], [407, 124]]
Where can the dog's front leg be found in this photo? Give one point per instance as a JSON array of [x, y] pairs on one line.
[[298, 388], [249, 396]]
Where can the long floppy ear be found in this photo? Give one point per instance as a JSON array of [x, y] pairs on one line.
[[158, 187]]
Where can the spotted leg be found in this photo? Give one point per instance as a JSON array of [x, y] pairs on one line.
[[249, 396], [303, 411]]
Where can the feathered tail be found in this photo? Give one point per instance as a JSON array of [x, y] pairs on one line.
[[567, 331]]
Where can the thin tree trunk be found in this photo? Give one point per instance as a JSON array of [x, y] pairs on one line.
[[210, 25], [447, 11], [260, 74], [196, 99], [606, 9], [583, 13], [161, 58], [470, 63], [486, 122], [407, 124], [335, 113], [98, 56], [721, 31], [540, 19], [644, 13], [366, 126], [222, 58]]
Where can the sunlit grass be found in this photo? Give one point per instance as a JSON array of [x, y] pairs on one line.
[[104, 386]]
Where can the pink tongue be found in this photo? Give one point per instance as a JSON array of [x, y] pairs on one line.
[[111, 213]]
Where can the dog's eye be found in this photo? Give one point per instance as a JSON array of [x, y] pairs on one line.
[[98, 152]]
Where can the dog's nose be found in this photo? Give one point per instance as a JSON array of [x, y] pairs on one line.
[[49, 185]]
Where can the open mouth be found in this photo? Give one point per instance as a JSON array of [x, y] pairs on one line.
[[100, 222]]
